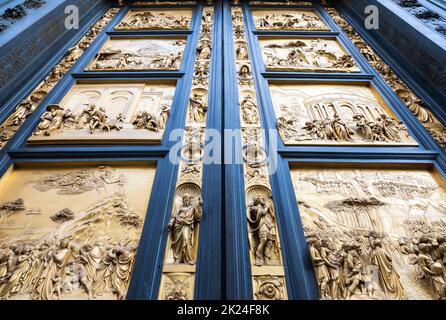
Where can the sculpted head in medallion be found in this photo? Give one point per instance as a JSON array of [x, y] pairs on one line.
[[186, 200]]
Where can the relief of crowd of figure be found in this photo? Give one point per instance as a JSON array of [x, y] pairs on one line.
[[149, 20], [56, 119], [51, 268], [314, 55], [382, 129], [289, 21], [354, 266]]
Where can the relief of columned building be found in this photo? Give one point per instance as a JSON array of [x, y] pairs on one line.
[[222, 149]]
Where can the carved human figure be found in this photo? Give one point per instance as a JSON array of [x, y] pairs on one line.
[[146, 120], [164, 115], [121, 277], [431, 270], [261, 216], [198, 107], [55, 76], [97, 119], [90, 257], [365, 126], [106, 269], [341, 131], [24, 109], [320, 268], [181, 226], [49, 120], [242, 52], [249, 110], [50, 276], [244, 72], [416, 107], [353, 265], [203, 51], [388, 277], [286, 127], [391, 128], [330, 258]]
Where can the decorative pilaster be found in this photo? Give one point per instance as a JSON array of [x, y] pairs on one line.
[[267, 270], [177, 282]]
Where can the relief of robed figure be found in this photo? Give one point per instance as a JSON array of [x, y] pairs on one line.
[[182, 226]]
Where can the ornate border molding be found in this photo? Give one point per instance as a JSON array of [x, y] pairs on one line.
[[178, 277], [268, 274]]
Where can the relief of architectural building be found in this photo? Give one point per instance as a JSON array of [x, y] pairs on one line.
[[71, 232], [374, 233], [107, 112], [417, 106], [306, 55], [156, 19], [267, 19], [25, 108], [335, 114], [139, 55]]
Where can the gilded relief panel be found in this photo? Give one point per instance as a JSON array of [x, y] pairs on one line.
[[108, 113], [156, 19], [374, 233], [27, 106], [144, 54], [293, 20], [335, 114], [71, 232], [306, 55]]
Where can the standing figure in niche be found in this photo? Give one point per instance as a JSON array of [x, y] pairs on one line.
[[261, 215], [198, 108], [181, 226], [249, 110]]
